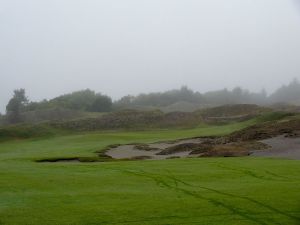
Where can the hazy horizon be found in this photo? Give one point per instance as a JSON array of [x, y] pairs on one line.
[[138, 46]]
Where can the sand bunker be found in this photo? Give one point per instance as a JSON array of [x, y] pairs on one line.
[[196, 147], [281, 146], [284, 146], [129, 152], [153, 151]]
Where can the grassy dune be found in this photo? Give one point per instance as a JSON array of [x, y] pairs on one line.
[[242, 191]]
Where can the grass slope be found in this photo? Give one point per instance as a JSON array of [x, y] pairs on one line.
[[130, 121], [85, 144], [242, 191]]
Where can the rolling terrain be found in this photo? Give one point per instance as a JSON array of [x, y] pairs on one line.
[[240, 190]]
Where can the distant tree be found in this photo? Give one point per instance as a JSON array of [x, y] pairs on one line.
[[83, 100], [263, 93], [2, 119], [78, 100], [184, 94], [16, 105], [287, 93], [124, 102], [101, 103]]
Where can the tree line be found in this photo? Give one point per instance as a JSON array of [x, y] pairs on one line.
[[84, 100], [287, 93], [90, 101]]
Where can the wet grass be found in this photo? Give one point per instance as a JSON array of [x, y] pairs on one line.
[[211, 191]]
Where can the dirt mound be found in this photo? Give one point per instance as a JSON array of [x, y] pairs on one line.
[[201, 148], [236, 149], [145, 147], [180, 148], [225, 153]]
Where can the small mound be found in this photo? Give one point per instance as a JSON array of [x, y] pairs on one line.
[[237, 149], [145, 147], [179, 148], [234, 110], [228, 113], [225, 153], [202, 148]]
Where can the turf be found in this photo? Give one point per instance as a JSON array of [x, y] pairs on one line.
[[221, 191]]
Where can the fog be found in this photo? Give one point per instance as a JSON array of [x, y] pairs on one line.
[[117, 47]]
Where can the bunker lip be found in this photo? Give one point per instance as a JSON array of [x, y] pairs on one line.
[[74, 159], [54, 160]]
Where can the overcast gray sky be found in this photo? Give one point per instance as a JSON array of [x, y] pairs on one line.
[[119, 47]]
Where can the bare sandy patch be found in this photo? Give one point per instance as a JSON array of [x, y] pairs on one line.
[[281, 146]]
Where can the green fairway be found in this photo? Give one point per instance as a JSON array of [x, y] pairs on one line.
[[210, 191]]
